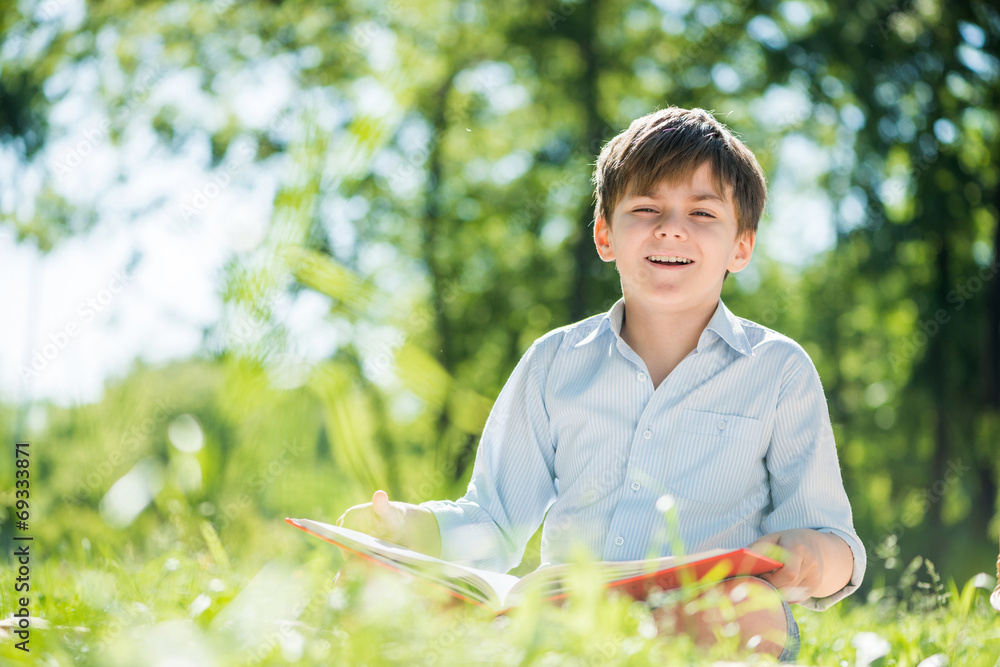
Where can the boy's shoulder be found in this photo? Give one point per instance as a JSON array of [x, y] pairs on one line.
[[774, 349], [544, 350], [571, 335], [761, 336]]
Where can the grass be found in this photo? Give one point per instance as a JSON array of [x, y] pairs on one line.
[[191, 603], [211, 575]]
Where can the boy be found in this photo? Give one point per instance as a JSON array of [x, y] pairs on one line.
[[666, 397]]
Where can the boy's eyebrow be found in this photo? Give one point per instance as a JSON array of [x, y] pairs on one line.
[[697, 196], [702, 196]]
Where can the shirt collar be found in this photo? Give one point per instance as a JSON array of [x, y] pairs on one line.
[[726, 325], [730, 329]]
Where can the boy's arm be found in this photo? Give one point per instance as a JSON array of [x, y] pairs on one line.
[[810, 510], [513, 478]]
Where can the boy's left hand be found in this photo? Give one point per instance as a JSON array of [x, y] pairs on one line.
[[816, 564]]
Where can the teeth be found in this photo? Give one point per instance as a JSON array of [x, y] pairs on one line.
[[668, 259]]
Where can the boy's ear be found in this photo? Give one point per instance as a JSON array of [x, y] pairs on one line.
[[743, 252], [602, 239]]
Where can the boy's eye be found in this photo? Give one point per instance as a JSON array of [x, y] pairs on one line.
[[653, 210]]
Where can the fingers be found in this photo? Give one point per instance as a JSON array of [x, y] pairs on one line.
[[369, 517], [389, 518], [788, 578], [379, 518], [786, 586], [770, 546], [792, 579], [763, 540], [801, 551], [380, 503]]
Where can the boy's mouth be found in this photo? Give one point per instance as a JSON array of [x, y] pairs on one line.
[[669, 261]]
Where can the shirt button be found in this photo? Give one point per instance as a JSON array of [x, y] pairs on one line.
[[635, 486], [721, 424], [647, 434], [619, 541], [641, 377]]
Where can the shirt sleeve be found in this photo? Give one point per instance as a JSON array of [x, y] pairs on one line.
[[513, 480], [807, 490]]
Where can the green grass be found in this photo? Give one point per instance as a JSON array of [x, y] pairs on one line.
[[190, 602], [213, 576]]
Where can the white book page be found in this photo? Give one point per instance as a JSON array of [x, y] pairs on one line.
[[494, 585]]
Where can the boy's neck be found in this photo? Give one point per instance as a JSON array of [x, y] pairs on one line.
[[663, 338]]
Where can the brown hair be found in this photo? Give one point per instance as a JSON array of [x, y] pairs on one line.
[[671, 144]]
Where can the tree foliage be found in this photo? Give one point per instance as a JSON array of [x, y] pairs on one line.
[[427, 170]]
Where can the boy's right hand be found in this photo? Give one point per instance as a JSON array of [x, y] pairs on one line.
[[411, 526]]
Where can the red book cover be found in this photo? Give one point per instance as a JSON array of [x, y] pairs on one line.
[[741, 562]]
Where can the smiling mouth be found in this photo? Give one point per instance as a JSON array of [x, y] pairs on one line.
[[669, 261]]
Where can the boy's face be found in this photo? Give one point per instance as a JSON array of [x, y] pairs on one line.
[[689, 220]]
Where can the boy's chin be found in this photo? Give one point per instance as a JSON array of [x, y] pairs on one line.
[[684, 294]]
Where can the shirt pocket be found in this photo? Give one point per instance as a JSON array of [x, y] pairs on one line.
[[716, 456]]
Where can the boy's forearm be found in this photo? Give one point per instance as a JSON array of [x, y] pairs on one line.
[[838, 563]]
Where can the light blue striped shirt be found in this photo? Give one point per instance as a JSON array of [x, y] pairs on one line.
[[737, 437]]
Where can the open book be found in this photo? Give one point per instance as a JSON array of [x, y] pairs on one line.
[[500, 592]]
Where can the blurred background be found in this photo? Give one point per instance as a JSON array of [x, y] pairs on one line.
[[259, 258]]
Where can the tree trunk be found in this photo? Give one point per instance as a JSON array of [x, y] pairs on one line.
[[586, 262], [936, 361]]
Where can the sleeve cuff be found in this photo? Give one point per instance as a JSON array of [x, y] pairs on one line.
[[860, 564], [464, 540]]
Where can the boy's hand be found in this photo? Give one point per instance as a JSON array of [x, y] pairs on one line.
[[816, 564], [379, 518], [411, 526]]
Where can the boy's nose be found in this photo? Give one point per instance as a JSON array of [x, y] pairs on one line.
[[671, 225]]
